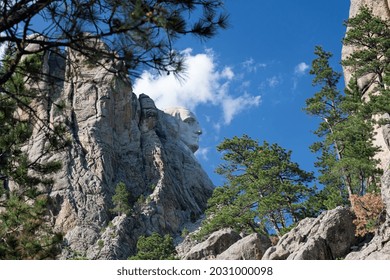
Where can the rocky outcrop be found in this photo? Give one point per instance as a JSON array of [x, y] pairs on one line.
[[327, 237], [377, 249], [379, 246], [380, 8], [251, 247], [115, 136], [224, 244], [215, 244]]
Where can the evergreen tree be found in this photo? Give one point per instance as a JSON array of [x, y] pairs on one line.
[[155, 247], [346, 151], [370, 37], [325, 104], [265, 191], [137, 33], [25, 232], [121, 200], [25, 229]]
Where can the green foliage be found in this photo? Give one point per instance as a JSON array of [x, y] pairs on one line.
[[135, 32], [265, 190], [32, 64], [185, 232], [121, 200], [152, 188], [24, 231], [155, 247], [100, 244], [141, 200], [345, 151], [371, 36], [138, 32]]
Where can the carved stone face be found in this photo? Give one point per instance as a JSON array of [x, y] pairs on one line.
[[189, 129]]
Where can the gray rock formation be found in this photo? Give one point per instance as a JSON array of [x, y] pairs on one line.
[[214, 245], [380, 8], [329, 236], [379, 247], [251, 247], [224, 244], [115, 137]]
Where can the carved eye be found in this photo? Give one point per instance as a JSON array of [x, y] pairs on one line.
[[190, 120]]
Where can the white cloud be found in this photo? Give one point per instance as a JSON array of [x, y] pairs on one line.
[[251, 66], [233, 106], [217, 127], [301, 68], [299, 71], [202, 153], [205, 83], [273, 81]]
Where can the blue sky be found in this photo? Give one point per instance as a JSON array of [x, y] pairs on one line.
[[253, 78]]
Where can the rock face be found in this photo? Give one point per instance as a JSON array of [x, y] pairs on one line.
[[225, 244], [380, 8], [327, 237], [217, 242], [115, 137], [379, 247], [251, 247]]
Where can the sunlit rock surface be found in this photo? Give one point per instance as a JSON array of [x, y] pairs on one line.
[[117, 137]]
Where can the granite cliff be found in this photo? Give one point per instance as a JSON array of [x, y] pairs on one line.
[[332, 234], [379, 246], [115, 137]]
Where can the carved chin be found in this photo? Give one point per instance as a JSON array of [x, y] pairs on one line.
[[193, 147]]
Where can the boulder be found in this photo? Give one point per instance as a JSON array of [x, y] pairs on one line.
[[214, 245], [329, 236], [377, 249], [251, 247]]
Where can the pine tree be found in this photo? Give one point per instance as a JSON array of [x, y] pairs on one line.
[[325, 104], [138, 34], [141, 33], [25, 228], [346, 152], [265, 191], [155, 247], [25, 231], [121, 200], [370, 37]]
